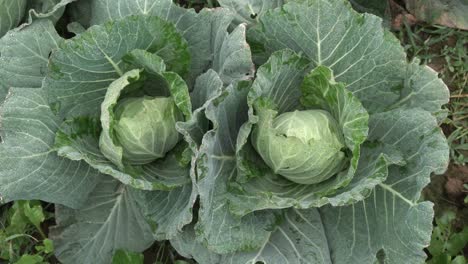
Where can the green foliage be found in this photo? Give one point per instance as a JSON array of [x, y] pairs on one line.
[[466, 189], [22, 239], [447, 244], [30, 259], [458, 142], [126, 257]]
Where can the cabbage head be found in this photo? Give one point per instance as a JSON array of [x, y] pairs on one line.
[[146, 127], [303, 146]]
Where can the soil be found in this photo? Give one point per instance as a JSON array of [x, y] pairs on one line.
[[447, 192]]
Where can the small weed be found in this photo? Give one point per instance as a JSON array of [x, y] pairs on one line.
[[22, 238], [446, 243]]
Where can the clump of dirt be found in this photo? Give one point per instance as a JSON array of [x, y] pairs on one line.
[[456, 178], [448, 192]]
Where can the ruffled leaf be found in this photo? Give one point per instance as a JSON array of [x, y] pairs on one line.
[[299, 238], [12, 13], [29, 167], [110, 220], [82, 69], [205, 31], [24, 55], [215, 165], [361, 54], [167, 212], [391, 224], [250, 11]]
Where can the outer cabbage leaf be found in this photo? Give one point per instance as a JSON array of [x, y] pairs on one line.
[[208, 87], [24, 51], [50, 9], [186, 244], [232, 62], [249, 11], [232, 59], [217, 227], [354, 46], [422, 88], [205, 31], [29, 167], [392, 225], [105, 10], [24, 55], [152, 63], [299, 238], [167, 212], [83, 67], [11, 14], [111, 220]]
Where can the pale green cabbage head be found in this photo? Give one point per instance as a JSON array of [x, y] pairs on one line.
[[145, 127], [303, 146]]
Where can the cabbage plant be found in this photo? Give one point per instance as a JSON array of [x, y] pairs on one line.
[[106, 124], [322, 158]]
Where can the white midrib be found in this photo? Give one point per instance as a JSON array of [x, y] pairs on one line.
[[319, 51], [255, 259], [399, 195], [109, 59]]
